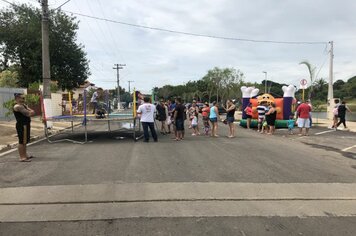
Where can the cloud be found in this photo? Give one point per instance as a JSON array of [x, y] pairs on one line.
[[155, 58]]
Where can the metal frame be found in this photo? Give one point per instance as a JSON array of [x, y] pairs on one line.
[[84, 122]]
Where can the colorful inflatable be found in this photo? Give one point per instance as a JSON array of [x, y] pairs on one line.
[[284, 106]]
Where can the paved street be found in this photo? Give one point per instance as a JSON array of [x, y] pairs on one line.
[[253, 184]]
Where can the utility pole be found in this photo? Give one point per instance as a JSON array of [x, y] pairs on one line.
[[117, 68], [265, 72], [331, 102], [46, 73], [130, 81]]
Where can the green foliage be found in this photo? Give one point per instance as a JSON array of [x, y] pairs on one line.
[[217, 83], [34, 86], [20, 45], [9, 79], [54, 87], [311, 70], [9, 105], [31, 100]]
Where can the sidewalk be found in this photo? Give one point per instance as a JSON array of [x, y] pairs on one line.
[[8, 136], [351, 125]]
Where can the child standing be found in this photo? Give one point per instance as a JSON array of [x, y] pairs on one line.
[[290, 124], [195, 124], [205, 114], [264, 127]]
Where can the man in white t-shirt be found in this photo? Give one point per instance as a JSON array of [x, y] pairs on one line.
[[146, 113]]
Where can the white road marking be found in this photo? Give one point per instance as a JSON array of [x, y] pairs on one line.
[[348, 148], [324, 132]]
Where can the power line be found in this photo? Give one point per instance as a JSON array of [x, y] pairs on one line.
[[62, 4], [9, 3], [186, 33], [194, 34]]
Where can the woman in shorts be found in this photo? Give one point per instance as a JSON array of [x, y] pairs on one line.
[[230, 117], [214, 117]]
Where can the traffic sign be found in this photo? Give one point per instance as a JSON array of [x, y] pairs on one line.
[[303, 83]]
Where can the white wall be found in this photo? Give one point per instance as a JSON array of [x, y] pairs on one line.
[[56, 104], [7, 94]]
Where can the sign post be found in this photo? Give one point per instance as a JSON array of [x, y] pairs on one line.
[[303, 85]]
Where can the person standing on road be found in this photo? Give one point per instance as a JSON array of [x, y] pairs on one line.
[[23, 115], [214, 117], [205, 114], [261, 110], [336, 114], [230, 117], [192, 111], [341, 110], [178, 119], [310, 114], [162, 116], [303, 120], [146, 112], [248, 111], [271, 116]]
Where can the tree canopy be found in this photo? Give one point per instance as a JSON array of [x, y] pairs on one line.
[[219, 84], [21, 46]]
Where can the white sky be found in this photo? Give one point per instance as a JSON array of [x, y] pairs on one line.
[[155, 58]]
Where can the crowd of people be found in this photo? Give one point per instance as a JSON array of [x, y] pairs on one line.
[[172, 116]]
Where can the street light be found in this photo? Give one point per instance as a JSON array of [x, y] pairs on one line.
[[265, 72]]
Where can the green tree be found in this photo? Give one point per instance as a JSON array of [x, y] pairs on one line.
[[311, 70], [20, 45], [9, 79], [225, 83]]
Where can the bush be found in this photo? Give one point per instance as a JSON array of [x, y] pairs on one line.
[[31, 100], [9, 106]]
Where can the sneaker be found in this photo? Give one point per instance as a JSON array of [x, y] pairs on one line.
[[193, 134]]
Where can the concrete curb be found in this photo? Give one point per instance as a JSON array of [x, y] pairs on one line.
[[14, 145], [189, 199]]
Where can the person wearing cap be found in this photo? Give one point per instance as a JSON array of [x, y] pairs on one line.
[[23, 115]]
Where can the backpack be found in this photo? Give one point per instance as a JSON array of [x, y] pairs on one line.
[[335, 111]]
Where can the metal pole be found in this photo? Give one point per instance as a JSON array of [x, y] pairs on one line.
[[265, 72], [117, 68]]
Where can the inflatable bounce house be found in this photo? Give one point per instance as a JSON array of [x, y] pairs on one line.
[[284, 106]]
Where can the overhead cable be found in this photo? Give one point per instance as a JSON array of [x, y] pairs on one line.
[[193, 34]]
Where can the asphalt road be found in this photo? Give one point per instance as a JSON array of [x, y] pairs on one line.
[[323, 157]]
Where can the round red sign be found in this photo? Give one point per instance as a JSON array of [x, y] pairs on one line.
[[303, 82]]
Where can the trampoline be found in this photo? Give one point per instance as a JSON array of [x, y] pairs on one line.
[[123, 123]]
